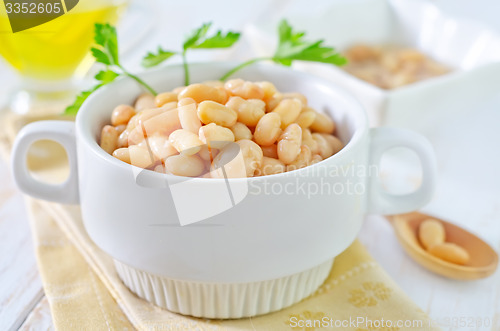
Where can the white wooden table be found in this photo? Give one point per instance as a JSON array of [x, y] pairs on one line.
[[468, 194], [22, 302]]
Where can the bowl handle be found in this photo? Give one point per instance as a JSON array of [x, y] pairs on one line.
[[62, 132], [382, 202]]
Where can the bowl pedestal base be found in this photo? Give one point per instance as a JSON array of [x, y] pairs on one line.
[[223, 300]]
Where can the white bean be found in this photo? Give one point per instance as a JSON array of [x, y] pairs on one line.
[[306, 118], [185, 165], [142, 116], [324, 148], [268, 88], [303, 159], [270, 166], [316, 158], [335, 143], [188, 117], [140, 157], [145, 101], [244, 89], [249, 111], [185, 142], [215, 136], [241, 131], [213, 112], [122, 154], [450, 252], [323, 124], [270, 151], [289, 110], [308, 140], [299, 96], [268, 129], [252, 154], [208, 153], [202, 92], [122, 114], [289, 143], [431, 232], [123, 139], [161, 147], [109, 139], [229, 163], [164, 98], [163, 124]]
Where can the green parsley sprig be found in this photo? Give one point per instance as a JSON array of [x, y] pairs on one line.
[[293, 46], [198, 39], [105, 52]]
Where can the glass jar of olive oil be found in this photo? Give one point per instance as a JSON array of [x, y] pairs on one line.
[[52, 56]]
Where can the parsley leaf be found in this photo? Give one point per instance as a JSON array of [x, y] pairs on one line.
[[219, 40], [195, 36], [105, 52], [79, 100], [293, 46], [106, 37], [106, 76], [100, 56], [152, 59], [197, 39]]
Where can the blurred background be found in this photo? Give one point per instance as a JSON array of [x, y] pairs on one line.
[[148, 23]]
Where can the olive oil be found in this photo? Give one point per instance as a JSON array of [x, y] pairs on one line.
[[59, 49]]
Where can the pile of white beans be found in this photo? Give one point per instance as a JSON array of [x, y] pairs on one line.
[[391, 66], [188, 131]]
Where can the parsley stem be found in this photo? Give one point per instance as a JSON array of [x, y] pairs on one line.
[[138, 80], [243, 65], [186, 69]]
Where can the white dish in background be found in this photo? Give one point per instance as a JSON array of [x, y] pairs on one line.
[[472, 50]]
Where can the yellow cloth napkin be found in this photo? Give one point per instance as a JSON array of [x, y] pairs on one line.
[[85, 292]]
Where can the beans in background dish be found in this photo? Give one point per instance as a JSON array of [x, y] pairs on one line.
[[390, 66], [191, 130]]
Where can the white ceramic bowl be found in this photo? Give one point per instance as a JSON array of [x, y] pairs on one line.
[[251, 245], [470, 48]]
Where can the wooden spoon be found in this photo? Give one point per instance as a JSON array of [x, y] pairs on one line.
[[483, 259]]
